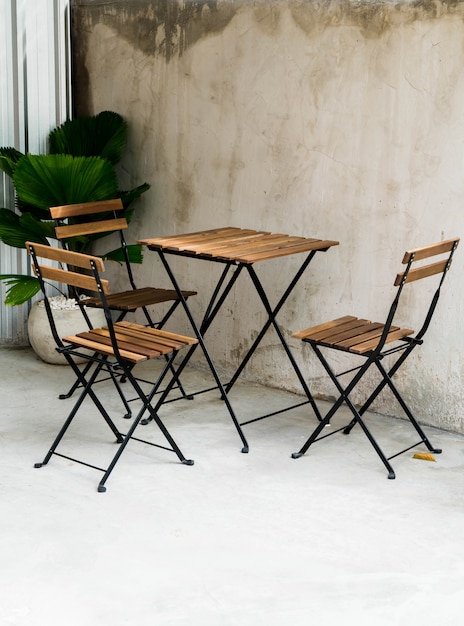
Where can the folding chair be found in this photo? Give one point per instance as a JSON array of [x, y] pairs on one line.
[[373, 342], [115, 348], [94, 218]]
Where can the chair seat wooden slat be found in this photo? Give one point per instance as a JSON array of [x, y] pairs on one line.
[[344, 332], [393, 335], [139, 337], [133, 299], [303, 334], [102, 336], [101, 348], [139, 341], [365, 332], [158, 332], [135, 341], [351, 333]]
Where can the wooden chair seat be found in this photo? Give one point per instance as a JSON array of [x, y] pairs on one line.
[[135, 342], [133, 299], [351, 334]]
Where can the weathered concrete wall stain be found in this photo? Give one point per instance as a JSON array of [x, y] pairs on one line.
[[167, 28], [156, 27], [373, 18]]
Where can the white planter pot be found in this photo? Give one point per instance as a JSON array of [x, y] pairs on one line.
[[68, 322]]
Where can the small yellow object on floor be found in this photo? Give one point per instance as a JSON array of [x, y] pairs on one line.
[[424, 456]]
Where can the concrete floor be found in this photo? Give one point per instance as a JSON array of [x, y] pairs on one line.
[[237, 539]]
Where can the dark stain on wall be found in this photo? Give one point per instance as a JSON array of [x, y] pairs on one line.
[[156, 27], [373, 18], [167, 28]]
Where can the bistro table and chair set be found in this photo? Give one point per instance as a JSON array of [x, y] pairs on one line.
[[116, 349]]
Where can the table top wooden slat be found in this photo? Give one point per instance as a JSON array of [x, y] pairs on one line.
[[290, 248], [215, 246], [237, 244], [202, 236]]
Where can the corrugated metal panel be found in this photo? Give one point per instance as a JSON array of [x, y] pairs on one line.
[[34, 98]]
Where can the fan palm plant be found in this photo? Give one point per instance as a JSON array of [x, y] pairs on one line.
[[79, 168]]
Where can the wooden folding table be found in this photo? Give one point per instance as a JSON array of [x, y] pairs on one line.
[[238, 249]]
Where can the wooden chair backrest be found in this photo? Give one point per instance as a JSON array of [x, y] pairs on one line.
[[88, 227], [418, 254], [68, 260]]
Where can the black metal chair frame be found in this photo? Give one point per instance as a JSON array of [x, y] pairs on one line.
[[113, 362], [374, 358], [113, 207]]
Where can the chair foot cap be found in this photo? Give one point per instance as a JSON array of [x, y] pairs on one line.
[[245, 449], [188, 462], [437, 450], [297, 455], [391, 475], [101, 488], [37, 465]]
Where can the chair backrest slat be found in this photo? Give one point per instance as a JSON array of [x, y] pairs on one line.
[[422, 272], [410, 257], [81, 281], [90, 228], [85, 208], [427, 251], [93, 219], [68, 259]]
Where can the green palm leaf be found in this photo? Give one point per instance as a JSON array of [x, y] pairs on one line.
[[15, 230], [9, 157], [55, 179], [135, 252], [102, 135], [20, 288], [128, 197]]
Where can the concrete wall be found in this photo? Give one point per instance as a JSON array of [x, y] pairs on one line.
[[335, 119]]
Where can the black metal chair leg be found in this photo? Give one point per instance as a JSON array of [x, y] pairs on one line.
[[77, 383], [146, 406], [87, 391]]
